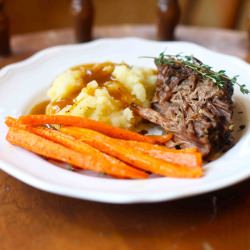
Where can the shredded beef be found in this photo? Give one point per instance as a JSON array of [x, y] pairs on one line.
[[198, 112]]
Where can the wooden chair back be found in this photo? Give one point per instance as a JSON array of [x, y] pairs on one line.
[[34, 15], [222, 13]]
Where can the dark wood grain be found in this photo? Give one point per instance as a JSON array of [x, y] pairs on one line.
[[32, 219], [215, 39], [36, 15], [248, 39]]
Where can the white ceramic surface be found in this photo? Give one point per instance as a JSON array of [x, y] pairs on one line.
[[24, 84]]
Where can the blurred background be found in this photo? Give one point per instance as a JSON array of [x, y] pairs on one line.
[[35, 15]]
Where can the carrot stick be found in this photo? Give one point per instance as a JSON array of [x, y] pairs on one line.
[[190, 157], [131, 156], [91, 124], [160, 139], [189, 150], [86, 160], [11, 122], [176, 156], [120, 169], [110, 165]]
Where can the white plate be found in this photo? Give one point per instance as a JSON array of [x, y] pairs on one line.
[[24, 84]]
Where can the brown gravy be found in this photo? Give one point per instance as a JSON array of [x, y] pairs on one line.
[[100, 72], [39, 108]]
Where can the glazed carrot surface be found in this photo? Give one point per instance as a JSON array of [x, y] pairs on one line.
[[187, 157], [44, 147], [87, 160], [91, 124], [131, 156], [108, 164], [124, 155], [190, 158], [161, 139], [12, 122]]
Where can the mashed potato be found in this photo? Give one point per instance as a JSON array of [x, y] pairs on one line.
[[102, 92]]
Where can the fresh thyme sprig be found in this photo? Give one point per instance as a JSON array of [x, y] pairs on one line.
[[204, 70]]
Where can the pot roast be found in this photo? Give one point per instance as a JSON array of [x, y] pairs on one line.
[[192, 107]]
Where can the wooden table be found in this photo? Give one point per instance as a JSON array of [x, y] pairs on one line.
[[32, 219]]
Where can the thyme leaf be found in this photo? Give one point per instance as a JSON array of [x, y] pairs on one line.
[[218, 77]]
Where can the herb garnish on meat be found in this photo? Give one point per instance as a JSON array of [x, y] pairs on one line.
[[204, 70], [193, 102]]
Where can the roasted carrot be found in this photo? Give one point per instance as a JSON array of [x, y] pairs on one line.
[[88, 159], [120, 169], [106, 129], [188, 157], [189, 150], [110, 164], [176, 156], [11, 122], [161, 139], [133, 157]]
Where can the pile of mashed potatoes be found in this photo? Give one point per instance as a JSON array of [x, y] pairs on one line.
[[102, 92]]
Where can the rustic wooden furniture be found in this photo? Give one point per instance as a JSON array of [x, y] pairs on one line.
[[33, 15], [83, 19], [4, 31], [168, 16], [221, 13], [32, 219], [248, 32]]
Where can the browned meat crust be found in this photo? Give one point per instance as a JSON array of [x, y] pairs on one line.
[[198, 112]]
